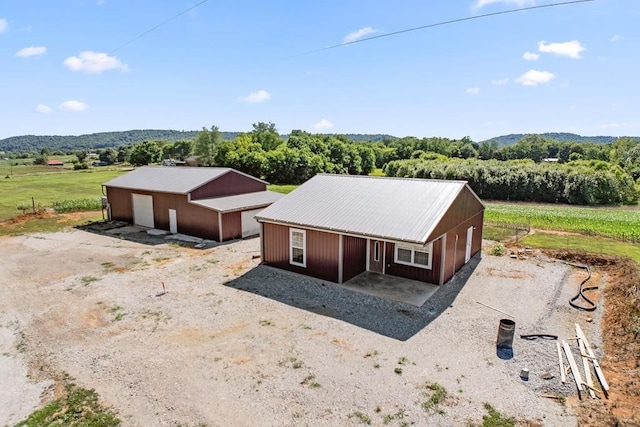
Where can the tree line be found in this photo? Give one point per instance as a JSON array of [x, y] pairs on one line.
[[582, 182]]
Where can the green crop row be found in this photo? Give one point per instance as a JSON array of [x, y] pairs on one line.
[[617, 223], [77, 205]]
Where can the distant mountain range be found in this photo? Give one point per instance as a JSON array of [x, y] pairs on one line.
[[35, 143], [558, 136]]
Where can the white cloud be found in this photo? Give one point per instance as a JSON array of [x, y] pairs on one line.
[[44, 109], [616, 37], [535, 77], [94, 62], [4, 25], [322, 125], [570, 49], [473, 90], [349, 38], [72, 105], [499, 81], [530, 56], [259, 96], [520, 3], [31, 51]]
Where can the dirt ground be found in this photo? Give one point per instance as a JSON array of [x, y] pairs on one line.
[[235, 343]]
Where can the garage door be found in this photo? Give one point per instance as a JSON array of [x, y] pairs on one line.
[[250, 227], [143, 210]]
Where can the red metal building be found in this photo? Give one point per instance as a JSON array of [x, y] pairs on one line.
[[335, 227], [211, 203]]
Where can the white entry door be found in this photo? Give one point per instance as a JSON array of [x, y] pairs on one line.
[[250, 227], [467, 254], [143, 210], [173, 221]]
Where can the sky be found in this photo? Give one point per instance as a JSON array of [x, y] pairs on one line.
[[72, 67]]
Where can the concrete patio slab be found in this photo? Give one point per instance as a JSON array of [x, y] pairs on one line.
[[391, 287]]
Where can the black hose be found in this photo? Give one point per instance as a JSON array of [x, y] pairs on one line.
[[543, 336], [591, 305]]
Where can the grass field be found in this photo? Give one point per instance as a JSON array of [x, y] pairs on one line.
[[284, 189], [598, 245], [618, 223], [48, 188], [13, 167]]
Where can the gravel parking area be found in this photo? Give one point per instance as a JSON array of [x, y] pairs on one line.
[[235, 343]]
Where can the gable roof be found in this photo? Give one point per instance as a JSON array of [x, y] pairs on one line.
[[388, 208], [173, 179]]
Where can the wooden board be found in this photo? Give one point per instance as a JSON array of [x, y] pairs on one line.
[[596, 365], [574, 368], [587, 368], [563, 374]]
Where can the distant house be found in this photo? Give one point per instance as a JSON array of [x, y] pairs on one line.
[[335, 227], [55, 162], [211, 203]]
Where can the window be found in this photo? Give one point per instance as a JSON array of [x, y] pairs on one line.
[[297, 247], [415, 256], [376, 251]]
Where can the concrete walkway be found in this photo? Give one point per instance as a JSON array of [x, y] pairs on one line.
[[391, 287]]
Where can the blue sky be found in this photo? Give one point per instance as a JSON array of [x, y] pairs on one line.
[[67, 67]]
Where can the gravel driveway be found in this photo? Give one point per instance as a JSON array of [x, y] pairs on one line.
[[235, 343]]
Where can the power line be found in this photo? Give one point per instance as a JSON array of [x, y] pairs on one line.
[[453, 21], [156, 27]]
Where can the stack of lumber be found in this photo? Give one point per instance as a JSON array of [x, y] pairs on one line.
[[583, 379]]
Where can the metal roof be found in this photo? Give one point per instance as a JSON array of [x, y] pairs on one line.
[[388, 208], [240, 201], [169, 179]]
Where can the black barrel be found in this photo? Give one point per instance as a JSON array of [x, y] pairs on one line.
[[506, 331]]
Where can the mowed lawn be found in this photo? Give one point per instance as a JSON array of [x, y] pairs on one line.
[[46, 188]]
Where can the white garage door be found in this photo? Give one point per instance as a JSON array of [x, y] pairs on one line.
[[250, 227], [143, 210]]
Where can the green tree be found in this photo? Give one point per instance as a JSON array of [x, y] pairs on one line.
[[205, 145], [242, 154], [81, 155], [145, 153], [123, 153], [266, 135], [109, 155]]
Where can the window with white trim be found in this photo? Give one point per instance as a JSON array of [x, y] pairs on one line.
[[297, 247], [415, 256], [376, 251]]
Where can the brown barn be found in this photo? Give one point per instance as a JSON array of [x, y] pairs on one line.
[[212, 203], [335, 227]]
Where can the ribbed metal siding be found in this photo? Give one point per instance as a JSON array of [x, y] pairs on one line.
[[354, 255], [228, 184], [456, 250], [192, 220], [465, 206], [231, 226], [121, 204], [322, 252], [415, 273]]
